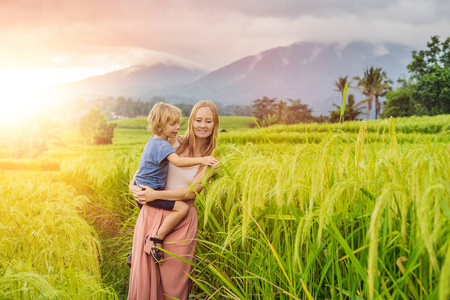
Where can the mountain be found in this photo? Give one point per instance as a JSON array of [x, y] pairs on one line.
[[304, 70], [134, 82]]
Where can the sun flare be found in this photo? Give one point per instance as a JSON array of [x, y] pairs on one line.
[[24, 94], [20, 102]]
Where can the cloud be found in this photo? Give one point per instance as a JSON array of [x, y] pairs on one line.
[[114, 33], [289, 8], [406, 10]]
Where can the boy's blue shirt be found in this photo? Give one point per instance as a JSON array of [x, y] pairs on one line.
[[154, 165]]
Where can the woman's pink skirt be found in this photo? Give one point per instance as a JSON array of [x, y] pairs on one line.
[[148, 280]]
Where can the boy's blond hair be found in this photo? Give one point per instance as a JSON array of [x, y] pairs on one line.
[[161, 114]]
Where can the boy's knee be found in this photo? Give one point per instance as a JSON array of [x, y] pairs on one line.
[[184, 209]]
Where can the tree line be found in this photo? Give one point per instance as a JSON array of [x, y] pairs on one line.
[[425, 92], [120, 107]]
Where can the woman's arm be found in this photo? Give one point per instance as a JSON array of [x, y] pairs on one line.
[[148, 195], [133, 187]]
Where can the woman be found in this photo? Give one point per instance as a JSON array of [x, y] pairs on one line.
[[149, 280]]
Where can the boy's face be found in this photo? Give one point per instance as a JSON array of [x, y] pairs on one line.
[[170, 130]]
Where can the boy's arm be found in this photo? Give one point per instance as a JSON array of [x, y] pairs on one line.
[[191, 161]]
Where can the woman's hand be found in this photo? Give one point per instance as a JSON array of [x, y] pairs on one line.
[[216, 165], [135, 190], [143, 194]]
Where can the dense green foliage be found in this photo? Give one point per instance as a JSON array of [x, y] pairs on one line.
[[428, 90], [398, 102], [95, 129], [431, 71], [271, 111]]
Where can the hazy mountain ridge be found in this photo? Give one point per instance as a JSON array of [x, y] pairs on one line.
[[135, 81], [304, 70]]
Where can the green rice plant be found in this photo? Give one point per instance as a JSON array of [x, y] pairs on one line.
[[289, 136], [131, 123], [48, 250], [105, 174], [415, 124], [40, 164], [130, 137], [329, 220]]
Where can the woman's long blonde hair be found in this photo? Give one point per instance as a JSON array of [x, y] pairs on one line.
[[189, 139]]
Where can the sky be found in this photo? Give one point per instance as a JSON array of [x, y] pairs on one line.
[[49, 42]]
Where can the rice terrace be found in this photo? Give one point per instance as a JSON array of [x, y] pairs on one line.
[[308, 211]]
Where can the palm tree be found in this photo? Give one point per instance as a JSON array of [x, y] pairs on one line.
[[365, 86], [340, 84], [281, 112], [351, 113], [380, 90], [373, 84]]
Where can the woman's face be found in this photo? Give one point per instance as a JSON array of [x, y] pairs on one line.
[[203, 123]]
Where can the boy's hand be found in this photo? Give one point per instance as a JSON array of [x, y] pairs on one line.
[[209, 161]]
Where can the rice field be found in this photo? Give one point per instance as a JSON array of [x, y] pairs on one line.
[[337, 219], [48, 250], [309, 211]]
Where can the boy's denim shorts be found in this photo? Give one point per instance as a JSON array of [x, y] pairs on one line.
[[164, 204]]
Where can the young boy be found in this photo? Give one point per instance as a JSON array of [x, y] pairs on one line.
[[164, 122]]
